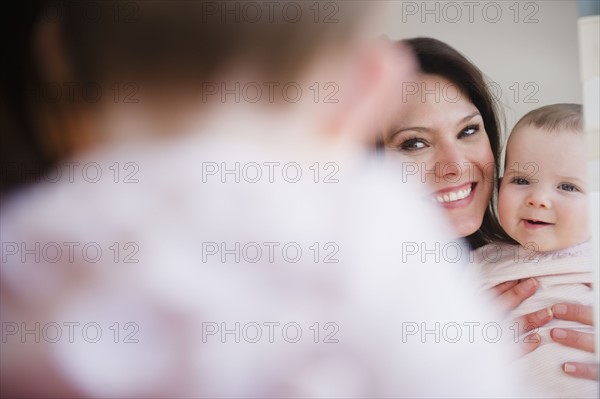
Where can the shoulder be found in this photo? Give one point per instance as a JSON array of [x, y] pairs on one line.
[[580, 250]]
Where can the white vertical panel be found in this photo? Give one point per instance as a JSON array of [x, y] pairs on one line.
[[589, 44]]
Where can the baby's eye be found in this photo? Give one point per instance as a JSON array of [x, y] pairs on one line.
[[469, 131], [520, 181], [413, 144], [567, 187]]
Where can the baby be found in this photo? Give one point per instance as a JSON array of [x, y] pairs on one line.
[[543, 206]]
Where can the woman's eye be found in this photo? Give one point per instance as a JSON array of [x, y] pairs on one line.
[[519, 181], [412, 144], [567, 187], [469, 130]]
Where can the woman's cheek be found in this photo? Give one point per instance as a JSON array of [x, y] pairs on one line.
[[490, 172], [484, 159], [489, 165]]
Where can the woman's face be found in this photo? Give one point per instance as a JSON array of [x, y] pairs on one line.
[[441, 141]]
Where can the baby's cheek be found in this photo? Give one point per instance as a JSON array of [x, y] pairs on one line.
[[508, 205], [503, 215], [577, 217], [504, 204]]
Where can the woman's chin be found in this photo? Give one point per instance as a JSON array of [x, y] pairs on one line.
[[465, 227]]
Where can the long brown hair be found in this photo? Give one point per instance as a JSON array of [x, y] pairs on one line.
[[179, 45], [437, 58]]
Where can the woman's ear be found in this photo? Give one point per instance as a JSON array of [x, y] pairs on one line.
[[65, 126], [49, 52]]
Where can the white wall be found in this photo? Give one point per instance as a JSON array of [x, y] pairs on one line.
[[532, 56]]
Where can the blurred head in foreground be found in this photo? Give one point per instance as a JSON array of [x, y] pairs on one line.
[[90, 73], [192, 240]]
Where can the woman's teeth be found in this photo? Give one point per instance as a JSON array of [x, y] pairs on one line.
[[453, 196]]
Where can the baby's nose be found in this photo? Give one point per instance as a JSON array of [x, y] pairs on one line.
[[539, 199]]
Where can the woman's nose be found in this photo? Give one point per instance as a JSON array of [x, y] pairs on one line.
[[450, 161]]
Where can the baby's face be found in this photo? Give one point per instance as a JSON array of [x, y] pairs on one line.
[[542, 196]]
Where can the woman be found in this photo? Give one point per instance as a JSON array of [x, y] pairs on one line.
[[450, 132]]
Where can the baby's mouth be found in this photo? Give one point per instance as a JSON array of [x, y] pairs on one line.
[[536, 223]]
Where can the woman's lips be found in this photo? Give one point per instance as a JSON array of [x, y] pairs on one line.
[[455, 197]]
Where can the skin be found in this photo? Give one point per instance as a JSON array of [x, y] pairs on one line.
[[445, 139], [542, 197]]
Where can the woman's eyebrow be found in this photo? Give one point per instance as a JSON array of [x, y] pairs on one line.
[[415, 128], [426, 130], [469, 117]]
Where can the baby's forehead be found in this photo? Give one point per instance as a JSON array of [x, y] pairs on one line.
[[530, 142], [531, 134]]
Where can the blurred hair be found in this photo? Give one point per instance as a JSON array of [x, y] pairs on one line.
[[173, 45], [554, 118], [438, 58]]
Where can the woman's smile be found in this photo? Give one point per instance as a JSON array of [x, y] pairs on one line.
[[455, 197]]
